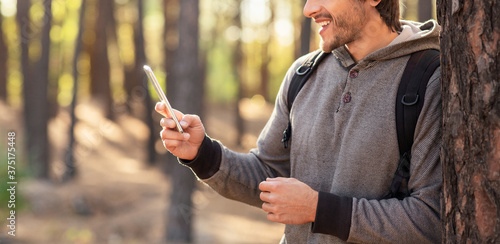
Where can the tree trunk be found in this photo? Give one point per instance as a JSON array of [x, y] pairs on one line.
[[23, 21], [264, 71], [189, 99], [134, 72], [303, 45], [424, 10], [3, 64], [171, 35], [238, 75], [41, 86], [266, 56], [140, 76], [305, 36], [70, 159], [470, 65], [99, 61], [35, 91]]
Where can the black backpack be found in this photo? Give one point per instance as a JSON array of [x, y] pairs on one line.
[[409, 103]]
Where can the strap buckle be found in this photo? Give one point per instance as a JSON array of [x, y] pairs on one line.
[[287, 134], [403, 101], [299, 72]]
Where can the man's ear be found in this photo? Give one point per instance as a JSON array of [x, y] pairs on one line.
[[374, 3]]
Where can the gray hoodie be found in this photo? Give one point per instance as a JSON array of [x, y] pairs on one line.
[[345, 149]]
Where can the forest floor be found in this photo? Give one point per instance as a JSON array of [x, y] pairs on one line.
[[116, 197]]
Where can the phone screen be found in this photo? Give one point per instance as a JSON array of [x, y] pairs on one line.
[[161, 94]]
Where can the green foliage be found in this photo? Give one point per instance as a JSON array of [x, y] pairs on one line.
[[221, 84]]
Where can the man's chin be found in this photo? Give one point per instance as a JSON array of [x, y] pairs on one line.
[[326, 46]]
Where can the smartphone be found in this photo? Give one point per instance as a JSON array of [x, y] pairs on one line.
[[161, 94]]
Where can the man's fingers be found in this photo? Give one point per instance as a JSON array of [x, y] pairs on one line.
[[187, 121], [265, 196], [173, 135], [266, 186], [161, 108], [168, 123], [273, 217], [268, 207], [171, 144]]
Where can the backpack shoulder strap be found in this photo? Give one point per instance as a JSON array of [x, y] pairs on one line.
[[409, 103], [300, 77], [302, 74], [411, 93]]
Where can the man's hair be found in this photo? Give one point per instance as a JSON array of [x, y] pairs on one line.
[[389, 11]]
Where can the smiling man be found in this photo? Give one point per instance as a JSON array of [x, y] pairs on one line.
[[330, 184]]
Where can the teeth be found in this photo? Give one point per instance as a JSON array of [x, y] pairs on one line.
[[324, 23]]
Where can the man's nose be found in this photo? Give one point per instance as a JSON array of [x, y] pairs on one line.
[[311, 8]]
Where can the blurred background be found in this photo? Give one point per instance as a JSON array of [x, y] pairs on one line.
[[89, 165]]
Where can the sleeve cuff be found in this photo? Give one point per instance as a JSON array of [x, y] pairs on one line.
[[208, 160], [333, 215]]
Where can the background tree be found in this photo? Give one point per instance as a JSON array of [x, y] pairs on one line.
[[35, 91], [189, 99], [41, 102], [425, 10], [3, 64], [171, 39], [134, 74], [305, 36], [470, 58], [70, 159], [170, 45], [139, 75], [238, 60], [99, 61], [266, 55]]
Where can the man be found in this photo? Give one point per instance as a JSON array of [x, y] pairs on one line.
[[328, 185]]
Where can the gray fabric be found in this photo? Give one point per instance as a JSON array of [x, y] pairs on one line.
[[350, 149]]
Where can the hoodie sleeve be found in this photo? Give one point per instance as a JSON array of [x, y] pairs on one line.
[[237, 175]]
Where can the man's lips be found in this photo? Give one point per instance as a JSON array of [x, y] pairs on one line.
[[323, 23]]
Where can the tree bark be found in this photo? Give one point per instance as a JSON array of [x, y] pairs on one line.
[[188, 99], [470, 65]]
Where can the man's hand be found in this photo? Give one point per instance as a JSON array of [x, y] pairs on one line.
[[186, 145], [288, 201]]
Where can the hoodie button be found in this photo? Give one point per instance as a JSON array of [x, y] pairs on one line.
[[347, 98], [353, 73]]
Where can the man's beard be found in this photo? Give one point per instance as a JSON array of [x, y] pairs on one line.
[[348, 28]]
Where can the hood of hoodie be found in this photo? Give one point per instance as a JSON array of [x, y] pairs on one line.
[[414, 37]]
